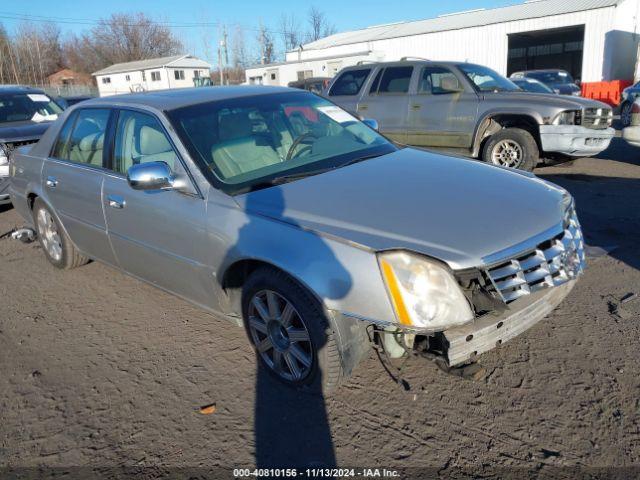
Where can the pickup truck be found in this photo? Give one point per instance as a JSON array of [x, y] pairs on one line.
[[25, 114], [473, 110]]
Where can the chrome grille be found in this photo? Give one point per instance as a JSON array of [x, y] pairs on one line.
[[551, 263], [597, 118]]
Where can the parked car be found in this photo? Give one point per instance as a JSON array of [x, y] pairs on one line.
[[66, 102], [312, 234], [559, 81], [632, 132], [315, 84], [472, 109], [532, 85], [629, 96], [25, 114]]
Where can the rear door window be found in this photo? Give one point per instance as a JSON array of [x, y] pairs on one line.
[[61, 147], [350, 82], [395, 80], [438, 80], [85, 144]]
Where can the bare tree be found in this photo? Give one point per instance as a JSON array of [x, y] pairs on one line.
[[239, 57], [319, 25], [290, 32], [121, 38]]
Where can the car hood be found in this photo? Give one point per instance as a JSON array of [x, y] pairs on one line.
[[545, 99], [459, 211], [17, 131]]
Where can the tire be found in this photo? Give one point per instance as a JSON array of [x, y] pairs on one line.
[[325, 371], [625, 114], [55, 243], [512, 141]]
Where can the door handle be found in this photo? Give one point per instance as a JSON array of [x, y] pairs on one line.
[[51, 182], [363, 107], [116, 201], [416, 106]]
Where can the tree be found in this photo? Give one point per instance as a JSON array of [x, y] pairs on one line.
[[238, 49], [290, 31], [319, 26], [121, 38]]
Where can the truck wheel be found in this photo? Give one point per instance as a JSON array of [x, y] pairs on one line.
[[625, 114], [513, 148], [54, 241], [292, 336]]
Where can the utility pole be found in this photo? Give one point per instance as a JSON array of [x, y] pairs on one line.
[[225, 49], [262, 44], [222, 48]]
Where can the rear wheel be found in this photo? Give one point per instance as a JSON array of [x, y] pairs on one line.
[[54, 241], [512, 148], [625, 114], [292, 336]]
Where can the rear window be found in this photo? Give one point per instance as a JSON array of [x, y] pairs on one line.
[[396, 80], [349, 83]]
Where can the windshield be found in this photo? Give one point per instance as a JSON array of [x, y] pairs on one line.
[[248, 142], [529, 85], [487, 80], [21, 107], [551, 77]]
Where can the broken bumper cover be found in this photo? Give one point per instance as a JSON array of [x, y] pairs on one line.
[[632, 135], [574, 140], [464, 343]]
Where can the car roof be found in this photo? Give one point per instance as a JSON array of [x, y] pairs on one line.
[[13, 89], [544, 70], [416, 61], [183, 97]]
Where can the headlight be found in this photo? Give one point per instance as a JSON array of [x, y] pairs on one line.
[[424, 293], [565, 118]]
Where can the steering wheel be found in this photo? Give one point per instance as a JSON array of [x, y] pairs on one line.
[[297, 142]]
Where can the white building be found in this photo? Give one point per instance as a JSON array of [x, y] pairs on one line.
[[153, 74], [595, 40]]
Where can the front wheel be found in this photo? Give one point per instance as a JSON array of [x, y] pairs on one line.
[[293, 338], [512, 148]]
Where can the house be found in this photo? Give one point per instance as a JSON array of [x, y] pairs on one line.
[[594, 40], [67, 77], [162, 73]]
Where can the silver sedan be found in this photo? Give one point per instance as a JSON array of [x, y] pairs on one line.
[[285, 214]]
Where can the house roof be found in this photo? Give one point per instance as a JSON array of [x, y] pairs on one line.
[[457, 21], [144, 64]]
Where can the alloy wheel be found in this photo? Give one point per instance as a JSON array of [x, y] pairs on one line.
[[280, 336], [507, 153], [48, 231]]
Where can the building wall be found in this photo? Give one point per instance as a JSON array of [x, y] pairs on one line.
[[128, 82], [610, 44]]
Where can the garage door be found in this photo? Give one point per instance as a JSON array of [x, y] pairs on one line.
[[560, 48]]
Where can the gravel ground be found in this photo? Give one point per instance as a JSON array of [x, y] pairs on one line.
[[100, 370]]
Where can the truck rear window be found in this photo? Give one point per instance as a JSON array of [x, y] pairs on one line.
[[349, 83]]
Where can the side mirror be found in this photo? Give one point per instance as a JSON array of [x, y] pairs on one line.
[[151, 176], [371, 123]]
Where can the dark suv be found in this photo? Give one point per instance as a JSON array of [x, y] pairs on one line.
[[559, 81], [25, 114]]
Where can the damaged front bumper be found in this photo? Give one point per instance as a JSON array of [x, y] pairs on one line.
[[575, 140], [464, 344]]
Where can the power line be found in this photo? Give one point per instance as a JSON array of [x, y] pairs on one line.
[[94, 22]]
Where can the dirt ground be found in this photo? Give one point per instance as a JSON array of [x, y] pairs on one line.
[[100, 370]]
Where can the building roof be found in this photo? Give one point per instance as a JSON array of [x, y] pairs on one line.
[[181, 97], [144, 64], [457, 21]]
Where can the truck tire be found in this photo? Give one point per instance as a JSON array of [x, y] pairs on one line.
[[512, 148], [55, 243], [293, 338]]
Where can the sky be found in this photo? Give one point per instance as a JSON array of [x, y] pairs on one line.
[[77, 16]]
